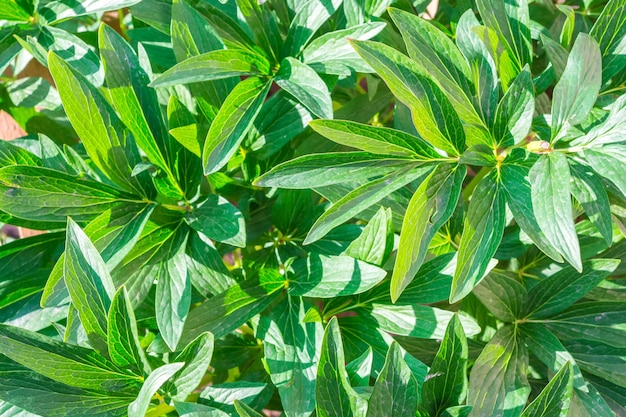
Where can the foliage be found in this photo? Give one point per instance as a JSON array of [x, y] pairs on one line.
[[322, 207]]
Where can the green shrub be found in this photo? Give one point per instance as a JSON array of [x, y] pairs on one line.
[[260, 207]]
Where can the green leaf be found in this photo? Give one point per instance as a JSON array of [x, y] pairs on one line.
[[123, 338], [517, 188], [331, 53], [514, 114], [14, 155], [232, 122], [173, 296], [263, 25], [375, 243], [330, 276], [56, 10], [197, 357], [554, 399], [219, 220], [361, 198], [309, 18], [562, 289], [333, 394], [439, 57], [610, 131], [500, 52], [65, 363], [303, 83], [431, 283], [205, 266], [245, 410], [482, 232], [319, 170], [198, 410], [22, 193], [446, 383], [395, 391], [608, 162], [552, 204], [425, 322], [214, 65], [292, 350], [155, 380], [14, 12], [576, 92], [435, 118], [429, 209], [498, 384], [360, 369], [89, 284], [591, 194], [102, 133], [223, 396], [225, 312], [557, 54], [502, 294], [373, 139], [609, 30]]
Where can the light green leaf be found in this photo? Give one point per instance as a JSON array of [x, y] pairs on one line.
[[434, 117], [375, 243], [482, 232], [551, 201], [502, 294], [557, 54], [333, 393], [430, 207], [608, 161], [514, 114], [446, 383], [320, 170], [155, 380], [310, 17], [498, 385], [562, 289], [89, 284], [303, 83], [576, 92], [611, 130], [554, 399], [56, 10], [173, 296], [591, 194], [374, 139], [232, 122], [225, 312], [102, 133], [361, 198], [123, 339], [503, 57], [330, 276], [14, 12], [395, 391], [69, 364], [609, 30], [292, 349], [198, 410], [196, 356], [214, 65], [245, 410], [218, 220], [14, 155], [205, 266], [223, 396], [262, 23]]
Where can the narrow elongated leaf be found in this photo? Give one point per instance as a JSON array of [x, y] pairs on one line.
[[89, 284], [157, 378], [434, 116], [245, 410], [320, 170], [608, 161], [375, 243], [576, 92], [333, 394], [609, 30], [219, 220], [498, 385], [303, 83], [331, 276], [223, 396], [376, 140], [14, 155], [196, 356], [514, 113], [554, 399], [292, 349], [611, 130], [562, 289], [22, 191], [65, 363], [123, 339], [591, 194], [309, 18], [395, 391], [102, 133], [225, 312], [446, 383], [173, 296], [214, 65], [482, 233], [363, 197], [13, 11], [430, 207], [263, 25], [232, 122], [552, 205]]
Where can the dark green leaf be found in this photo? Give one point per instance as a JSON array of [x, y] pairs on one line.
[[591, 194], [555, 397], [263, 25], [395, 391], [609, 30], [375, 243], [14, 155], [360, 369], [430, 207], [514, 114], [205, 266], [309, 18], [219, 220], [196, 356], [502, 294], [245, 410], [157, 378], [608, 161]]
